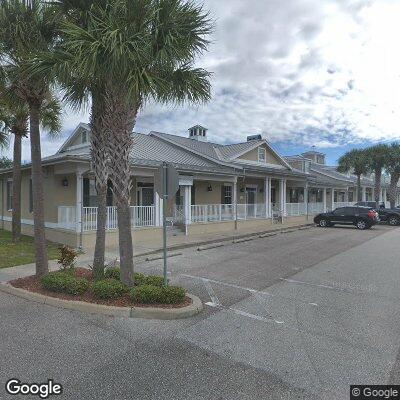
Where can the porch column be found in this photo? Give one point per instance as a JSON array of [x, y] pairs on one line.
[[381, 195], [332, 199], [324, 198], [306, 199], [282, 197], [385, 195], [364, 193], [234, 200], [158, 209], [79, 201], [187, 202], [267, 197], [346, 199]]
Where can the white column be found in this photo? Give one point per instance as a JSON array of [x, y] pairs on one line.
[[187, 201], [332, 199], [306, 199], [346, 199], [158, 209], [282, 187], [324, 198], [267, 197], [381, 195], [385, 195], [234, 201], [79, 201], [364, 193]]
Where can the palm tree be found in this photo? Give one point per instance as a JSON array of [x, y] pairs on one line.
[[377, 158], [26, 29], [354, 161], [393, 167], [138, 51], [14, 114]]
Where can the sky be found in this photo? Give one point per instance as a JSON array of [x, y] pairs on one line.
[[302, 73]]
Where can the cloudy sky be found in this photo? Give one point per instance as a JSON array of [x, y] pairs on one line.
[[304, 73]]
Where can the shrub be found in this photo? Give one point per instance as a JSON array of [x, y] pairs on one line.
[[109, 289], [140, 279], [64, 282], [113, 273], [67, 258], [149, 294]]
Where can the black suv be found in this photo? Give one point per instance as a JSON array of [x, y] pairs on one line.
[[392, 217], [361, 217]]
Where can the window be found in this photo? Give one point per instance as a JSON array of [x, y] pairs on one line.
[[262, 155], [226, 194], [9, 195], [30, 196]]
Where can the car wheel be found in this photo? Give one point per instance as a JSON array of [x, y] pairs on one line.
[[323, 223], [361, 224], [393, 221]]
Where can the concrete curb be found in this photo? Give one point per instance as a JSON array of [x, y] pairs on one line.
[[230, 239], [127, 312]]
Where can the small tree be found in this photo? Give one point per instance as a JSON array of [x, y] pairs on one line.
[[355, 161]]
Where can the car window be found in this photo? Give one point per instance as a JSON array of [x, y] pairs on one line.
[[338, 211], [349, 210]]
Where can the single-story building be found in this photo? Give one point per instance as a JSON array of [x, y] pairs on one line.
[[222, 187]]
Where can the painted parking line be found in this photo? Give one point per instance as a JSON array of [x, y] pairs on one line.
[[250, 290], [244, 313]]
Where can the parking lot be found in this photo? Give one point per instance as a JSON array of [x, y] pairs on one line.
[[300, 315]]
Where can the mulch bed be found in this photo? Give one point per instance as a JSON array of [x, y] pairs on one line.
[[33, 284]]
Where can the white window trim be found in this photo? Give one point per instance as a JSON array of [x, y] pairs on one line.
[[264, 151]]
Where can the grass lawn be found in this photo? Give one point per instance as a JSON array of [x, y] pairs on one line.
[[21, 253]]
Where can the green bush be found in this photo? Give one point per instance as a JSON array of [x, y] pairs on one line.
[[150, 294], [140, 279], [109, 289], [112, 273], [65, 282]]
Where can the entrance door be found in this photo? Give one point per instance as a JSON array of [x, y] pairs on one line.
[[146, 196], [251, 194]]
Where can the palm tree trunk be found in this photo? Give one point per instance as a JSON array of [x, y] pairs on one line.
[[378, 179], [120, 142], [394, 179], [16, 203], [100, 247], [99, 155], [42, 266], [359, 189]]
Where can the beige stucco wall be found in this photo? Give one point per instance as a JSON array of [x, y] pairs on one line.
[[55, 194], [253, 156]]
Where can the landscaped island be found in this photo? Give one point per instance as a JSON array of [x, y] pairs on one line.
[[78, 284]]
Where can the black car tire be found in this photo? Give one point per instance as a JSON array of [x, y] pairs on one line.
[[393, 220], [323, 223], [361, 224]]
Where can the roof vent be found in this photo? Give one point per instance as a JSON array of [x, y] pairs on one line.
[[198, 133], [254, 137]]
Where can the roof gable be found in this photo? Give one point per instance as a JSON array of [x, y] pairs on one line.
[[73, 140]]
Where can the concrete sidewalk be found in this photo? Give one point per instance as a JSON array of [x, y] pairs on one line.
[[151, 247]]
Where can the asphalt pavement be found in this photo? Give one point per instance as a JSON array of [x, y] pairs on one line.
[[295, 316]]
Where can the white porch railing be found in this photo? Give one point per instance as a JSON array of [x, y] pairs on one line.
[[251, 211], [211, 212], [67, 217], [141, 216], [295, 209], [343, 204], [315, 208]]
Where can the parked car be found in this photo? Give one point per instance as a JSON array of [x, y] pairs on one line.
[[391, 216], [361, 217]]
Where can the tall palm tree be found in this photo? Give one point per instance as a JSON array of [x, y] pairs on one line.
[[393, 167], [14, 114], [26, 29], [354, 161], [138, 51], [377, 158]]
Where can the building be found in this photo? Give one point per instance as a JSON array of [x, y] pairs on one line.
[[222, 188]]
